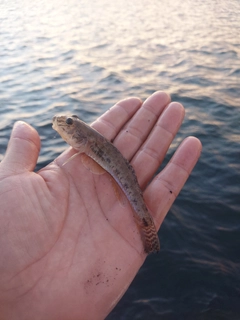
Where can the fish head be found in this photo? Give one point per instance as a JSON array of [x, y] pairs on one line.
[[70, 128]]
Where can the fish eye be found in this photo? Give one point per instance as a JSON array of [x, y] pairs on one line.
[[69, 121]]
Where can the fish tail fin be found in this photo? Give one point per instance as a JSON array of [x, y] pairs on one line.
[[149, 236]]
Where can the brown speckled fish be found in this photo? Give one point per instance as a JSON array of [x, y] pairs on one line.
[[85, 139]]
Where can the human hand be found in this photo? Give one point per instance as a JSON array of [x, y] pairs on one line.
[[69, 250]]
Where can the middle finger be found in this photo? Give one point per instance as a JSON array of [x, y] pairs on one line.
[[135, 132]]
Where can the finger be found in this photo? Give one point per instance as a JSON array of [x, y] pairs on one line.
[[111, 122], [148, 159], [130, 139], [23, 150], [164, 189]]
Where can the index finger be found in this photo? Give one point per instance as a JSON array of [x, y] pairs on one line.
[[112, 121]]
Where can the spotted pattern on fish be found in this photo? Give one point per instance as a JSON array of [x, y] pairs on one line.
[[84, 138]]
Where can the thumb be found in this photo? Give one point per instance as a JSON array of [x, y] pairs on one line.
[[22, 151]]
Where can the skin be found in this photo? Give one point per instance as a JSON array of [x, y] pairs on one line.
[[68, 249]]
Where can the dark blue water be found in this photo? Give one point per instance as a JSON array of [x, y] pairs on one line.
[[83, 57]]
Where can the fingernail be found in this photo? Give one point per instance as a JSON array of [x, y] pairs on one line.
[[18, 126]]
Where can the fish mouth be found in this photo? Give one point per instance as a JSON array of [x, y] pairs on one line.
[[58, 120], [54, 122]]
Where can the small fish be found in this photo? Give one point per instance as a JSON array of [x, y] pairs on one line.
[[85, 139]]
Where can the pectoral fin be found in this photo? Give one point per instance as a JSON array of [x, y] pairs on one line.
[[71, 158], [91, 165], [95, 168]]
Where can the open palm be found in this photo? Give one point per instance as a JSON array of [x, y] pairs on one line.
[[69, 248]]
